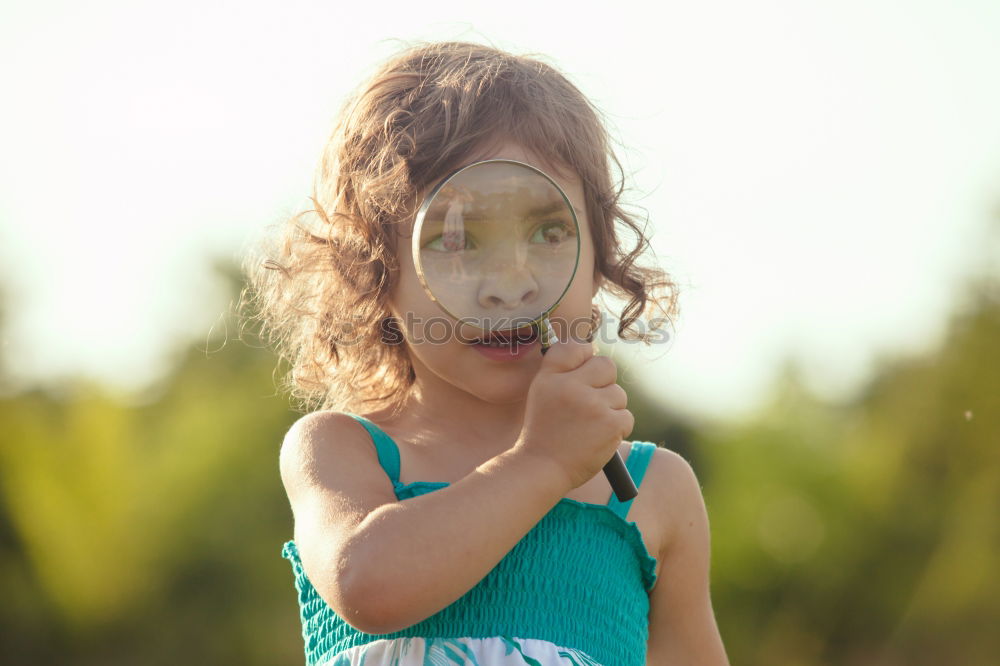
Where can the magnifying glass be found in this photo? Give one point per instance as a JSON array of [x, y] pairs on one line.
[[496, 245]]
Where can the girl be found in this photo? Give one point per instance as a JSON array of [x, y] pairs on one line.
[[449, 502]]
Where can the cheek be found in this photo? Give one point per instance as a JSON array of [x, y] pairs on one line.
[[427, 328], [408, 295]]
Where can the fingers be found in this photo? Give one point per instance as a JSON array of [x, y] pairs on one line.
[[627, 421], [619, 420], [566, 355], [613, 396], [597, 371]]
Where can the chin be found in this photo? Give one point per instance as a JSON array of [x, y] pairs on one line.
[[498, 389], [504, 386], [501, 388], [503, 395]]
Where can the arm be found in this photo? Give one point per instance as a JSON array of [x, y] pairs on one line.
[[682, 628], [384, 565], [411, 559]]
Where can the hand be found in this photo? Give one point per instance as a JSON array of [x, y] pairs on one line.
[[575, 414]]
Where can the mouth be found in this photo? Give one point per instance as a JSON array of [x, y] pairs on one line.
[[507, 339]]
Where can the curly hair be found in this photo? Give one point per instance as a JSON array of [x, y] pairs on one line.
[[319, 286]]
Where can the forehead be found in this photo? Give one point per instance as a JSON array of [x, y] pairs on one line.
[[566, 178], [498, 188]]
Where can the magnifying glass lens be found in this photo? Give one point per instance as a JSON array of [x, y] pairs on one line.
[[497, 244]]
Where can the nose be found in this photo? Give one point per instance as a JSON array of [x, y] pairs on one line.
[[508, 283]]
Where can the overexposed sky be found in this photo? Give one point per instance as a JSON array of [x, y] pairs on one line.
[[819, 176]]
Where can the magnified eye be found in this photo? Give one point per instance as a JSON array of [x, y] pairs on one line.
[[450, 241], [552, 233]]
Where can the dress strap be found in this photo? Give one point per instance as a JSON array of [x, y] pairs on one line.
[[638, 460], [388, 452]]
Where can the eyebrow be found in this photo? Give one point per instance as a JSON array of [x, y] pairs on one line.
[[554, 207], [538, 211]]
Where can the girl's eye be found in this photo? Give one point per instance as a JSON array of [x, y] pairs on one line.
[[552, 233], [449, 241]]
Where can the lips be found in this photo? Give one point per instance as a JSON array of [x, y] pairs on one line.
[[523, 335]]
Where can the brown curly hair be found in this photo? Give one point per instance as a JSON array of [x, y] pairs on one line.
[[319, 285]]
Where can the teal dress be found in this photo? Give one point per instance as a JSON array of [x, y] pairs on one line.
[[574, 590]]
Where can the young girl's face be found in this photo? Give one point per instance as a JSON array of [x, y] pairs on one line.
[[440, 347]]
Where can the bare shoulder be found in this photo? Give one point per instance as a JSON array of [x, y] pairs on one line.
[[315, 443], [678, 495]]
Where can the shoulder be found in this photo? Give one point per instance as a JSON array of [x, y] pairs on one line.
[[318, 439], [677, 494], [668, 472], [315, 431]]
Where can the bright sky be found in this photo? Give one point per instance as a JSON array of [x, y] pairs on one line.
[[819, 176]]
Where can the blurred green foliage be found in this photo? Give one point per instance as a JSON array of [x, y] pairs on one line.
[[861, 533], [867, 533]]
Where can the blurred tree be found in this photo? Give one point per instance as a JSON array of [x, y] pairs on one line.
[[866, 533], [151, 532]]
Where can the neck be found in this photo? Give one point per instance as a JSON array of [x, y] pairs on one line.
[[436, 411]]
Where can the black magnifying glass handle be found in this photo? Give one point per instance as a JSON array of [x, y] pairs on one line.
[[618, 476]]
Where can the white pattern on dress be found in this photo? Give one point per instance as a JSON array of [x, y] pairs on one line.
[[491, 651]]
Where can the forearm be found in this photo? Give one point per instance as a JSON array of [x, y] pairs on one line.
[[407, 560]]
